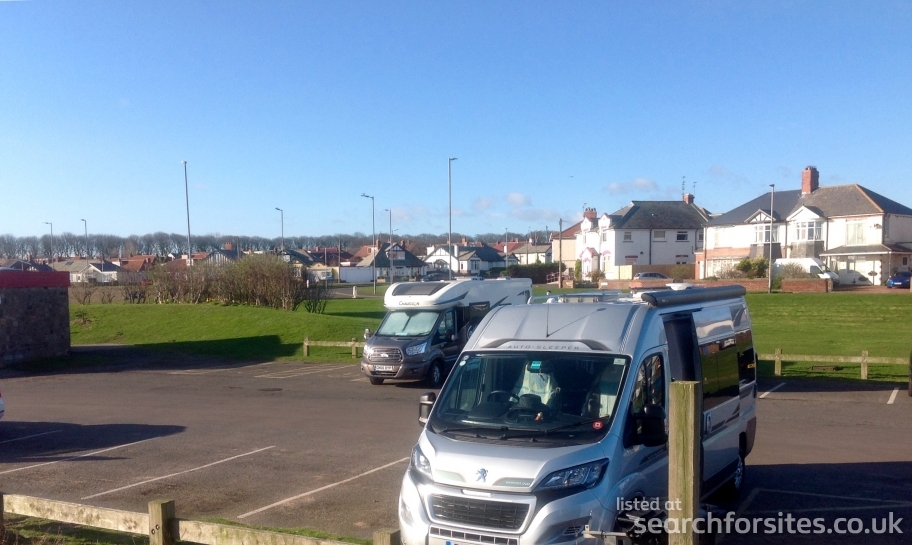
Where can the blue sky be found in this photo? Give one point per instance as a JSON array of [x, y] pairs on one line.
[[549, 107]]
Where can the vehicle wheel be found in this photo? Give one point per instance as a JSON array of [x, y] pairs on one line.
[[376, 381], [435, 375], [732, 489]]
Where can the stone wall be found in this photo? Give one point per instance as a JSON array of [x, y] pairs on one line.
[[34, 315]]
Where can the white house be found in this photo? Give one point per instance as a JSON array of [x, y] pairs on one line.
[[467, 259], [847, 226], [642, 233]]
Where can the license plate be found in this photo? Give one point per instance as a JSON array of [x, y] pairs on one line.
[[383, 368]]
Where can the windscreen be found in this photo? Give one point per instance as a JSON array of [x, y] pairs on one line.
[[408, 323], [543, 395]]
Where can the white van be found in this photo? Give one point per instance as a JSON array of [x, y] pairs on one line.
[[556, 413], [810, 265], [428, 323]]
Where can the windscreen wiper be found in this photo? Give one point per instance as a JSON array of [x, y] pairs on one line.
[[573, 425]]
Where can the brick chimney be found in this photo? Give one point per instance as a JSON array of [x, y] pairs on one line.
[[228, 246], [590, 214], [688, 198], [810, 180]]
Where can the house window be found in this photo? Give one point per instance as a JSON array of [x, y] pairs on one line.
[[628, 236], [682, 236], [604, 236], [762, 234], [658, 235], [808, 230], [474, 265], [855, 233]]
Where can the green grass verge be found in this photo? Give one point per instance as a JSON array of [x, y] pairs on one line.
[[842, 324], [35, 531], [833, 324]]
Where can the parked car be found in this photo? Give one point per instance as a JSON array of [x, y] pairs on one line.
[[850, 277], [434, 276], [899, 280], [649, 276]]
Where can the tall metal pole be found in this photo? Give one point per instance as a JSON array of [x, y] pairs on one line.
[[560, 260], [86, 270], [282, 216], [373, 241], [187, 200], [769, 288], [450, 249], [389, 250], [52, 239]]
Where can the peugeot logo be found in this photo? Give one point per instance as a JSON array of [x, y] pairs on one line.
[[481, 475]]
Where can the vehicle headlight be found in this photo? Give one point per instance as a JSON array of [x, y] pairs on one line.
[[420, 462], [417, 349], [585, 476], [367, 350]]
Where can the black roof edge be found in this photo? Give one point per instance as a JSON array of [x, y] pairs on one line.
[[667, 298]]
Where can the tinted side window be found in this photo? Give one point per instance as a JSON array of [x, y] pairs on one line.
[[720, 371], [650, 384], [747, 363]]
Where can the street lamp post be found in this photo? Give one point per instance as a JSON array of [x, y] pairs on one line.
[[389, 250], [769, 287], [86, 270], [282, 216], [52, 239], [450, 250], [187, 200], [527, 246], [373, 241]]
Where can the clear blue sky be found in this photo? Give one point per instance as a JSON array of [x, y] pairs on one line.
[[549, 106]]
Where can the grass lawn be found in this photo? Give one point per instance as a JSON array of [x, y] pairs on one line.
[[842, 324]]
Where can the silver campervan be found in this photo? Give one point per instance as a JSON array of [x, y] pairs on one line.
[[554, 415]]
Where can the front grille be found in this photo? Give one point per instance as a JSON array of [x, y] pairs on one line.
[[479, 513], [473, 537], [393, 355]]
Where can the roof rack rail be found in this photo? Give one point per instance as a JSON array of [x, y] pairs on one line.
[[667, 298], [578, 297]]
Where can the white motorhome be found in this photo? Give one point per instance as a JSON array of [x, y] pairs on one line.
[[428, 323], [555, 414], [810, 265]]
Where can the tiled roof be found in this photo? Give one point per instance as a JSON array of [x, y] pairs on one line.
[[659, 215], [828, 202]]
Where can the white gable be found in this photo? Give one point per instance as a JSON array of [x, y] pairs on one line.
[[804, 214], [604, 222], [760, 216]]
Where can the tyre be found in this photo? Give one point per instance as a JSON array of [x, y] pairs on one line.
[[732, 489], [435, 376], [376, 381]]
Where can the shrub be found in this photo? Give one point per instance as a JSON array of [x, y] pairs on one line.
[[682, 272], [792, 270]]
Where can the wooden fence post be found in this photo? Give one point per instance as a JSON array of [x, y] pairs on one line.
[[685, 421], [387, 537], [161, 516], [306, 347], [354, 348], [777, 370], [864, 365]]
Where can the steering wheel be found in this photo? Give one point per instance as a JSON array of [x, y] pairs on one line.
[[510, 396]]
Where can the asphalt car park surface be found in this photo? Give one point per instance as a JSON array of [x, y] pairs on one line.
[[315, 445]]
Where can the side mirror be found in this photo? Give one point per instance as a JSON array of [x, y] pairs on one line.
[[650, 426], [425, 404], [367, 333], [449, 336]]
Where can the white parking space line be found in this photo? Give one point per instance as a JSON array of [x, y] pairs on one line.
[[362, 379], [199, 371], [893, 396], [299, 372], [175, 474], [771, 390], [30, 436], [286, 500], [77, 457]]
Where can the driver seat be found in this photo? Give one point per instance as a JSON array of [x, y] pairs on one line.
[[538, 379]]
